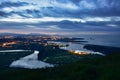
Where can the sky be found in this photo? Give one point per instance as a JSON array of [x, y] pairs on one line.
[[60, 16]]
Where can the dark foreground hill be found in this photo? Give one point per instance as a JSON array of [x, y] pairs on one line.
[[102, 49], [98, 68]]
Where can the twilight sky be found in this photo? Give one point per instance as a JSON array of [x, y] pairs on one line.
[[60, 16]]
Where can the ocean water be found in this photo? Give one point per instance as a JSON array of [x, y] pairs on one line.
[[106, 40]]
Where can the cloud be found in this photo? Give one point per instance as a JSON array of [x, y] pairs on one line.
[[61, 8], [3, 14], [20, 19], [60, 15], [113, 25], [37, 20], [83, 4], [12, 4]]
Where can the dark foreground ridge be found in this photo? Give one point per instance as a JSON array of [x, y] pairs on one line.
[[98, 68], [102, 49]]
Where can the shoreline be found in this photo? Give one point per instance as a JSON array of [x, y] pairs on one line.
[[13, 50]]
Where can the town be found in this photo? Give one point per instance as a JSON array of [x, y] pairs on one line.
[[12, 42]]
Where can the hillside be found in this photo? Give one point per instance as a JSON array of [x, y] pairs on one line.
[[98, 68]]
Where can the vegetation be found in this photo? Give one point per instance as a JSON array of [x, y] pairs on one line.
[[7, 57], [55, 55], [91, 67], [102, 49], [97, 68]]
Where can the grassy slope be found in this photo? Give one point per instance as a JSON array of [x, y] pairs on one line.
[[99, 68]]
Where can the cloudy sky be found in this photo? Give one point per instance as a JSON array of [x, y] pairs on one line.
[[60, 16]]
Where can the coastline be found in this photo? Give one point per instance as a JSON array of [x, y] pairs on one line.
[[13, 50]]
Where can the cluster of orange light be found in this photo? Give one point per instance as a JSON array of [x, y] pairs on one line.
[[8, 43], [82, 53], [8, 37], [79, 52]]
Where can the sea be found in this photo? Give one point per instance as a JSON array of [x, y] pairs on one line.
[[104, 40]]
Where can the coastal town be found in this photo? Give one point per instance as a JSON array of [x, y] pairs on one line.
[[10, 42]]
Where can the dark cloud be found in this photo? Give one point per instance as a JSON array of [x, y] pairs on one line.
[[3, 14], [79, 9], [58, 9], [12, 4]]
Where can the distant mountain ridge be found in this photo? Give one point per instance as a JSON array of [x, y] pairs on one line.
[[15, 34]]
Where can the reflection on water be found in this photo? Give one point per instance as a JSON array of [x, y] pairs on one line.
[[73, 46]]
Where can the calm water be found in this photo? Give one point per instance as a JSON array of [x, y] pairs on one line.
[[107, 40]]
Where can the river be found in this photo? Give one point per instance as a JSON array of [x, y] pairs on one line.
[[31, 62]]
